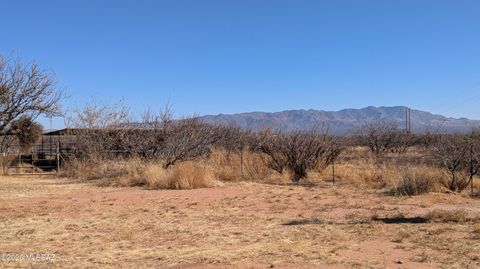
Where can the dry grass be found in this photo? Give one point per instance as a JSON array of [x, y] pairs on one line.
[[239, 225], [393, 173], [135, 172], [397, 175], [417, 180], [94, 169], [235, 167], [445, 216], [221, 166], [182, 176], [188, 175], [238, 221]]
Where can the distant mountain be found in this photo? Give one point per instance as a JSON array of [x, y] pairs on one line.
[[343, 121]]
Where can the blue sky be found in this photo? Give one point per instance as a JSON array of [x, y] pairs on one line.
[[210, 57]]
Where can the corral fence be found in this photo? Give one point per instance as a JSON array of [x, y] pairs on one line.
[[47, 156]]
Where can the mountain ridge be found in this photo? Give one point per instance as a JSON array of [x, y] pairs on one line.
[[343, 121]]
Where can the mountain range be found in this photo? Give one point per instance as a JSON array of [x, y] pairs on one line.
[[344, 121]]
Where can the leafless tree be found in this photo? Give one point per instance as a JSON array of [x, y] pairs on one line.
[[269, 143], [158, 136], [473, 155], [451, 152], [96, 115], [297, 151], [231, 138], [403, 142], [335, 147], [380, 137], [26, 90], [187, 139], [100, 130], [107, 131], [146, 138]]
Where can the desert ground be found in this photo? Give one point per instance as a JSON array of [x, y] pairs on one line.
[[236, 225]]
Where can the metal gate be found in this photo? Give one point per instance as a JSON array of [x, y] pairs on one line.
[[42, 158]]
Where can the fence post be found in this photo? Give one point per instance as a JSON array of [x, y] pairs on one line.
[[241, 162], [333, 165], [58, 157], [4, 162], [33, 162], [19, 162]]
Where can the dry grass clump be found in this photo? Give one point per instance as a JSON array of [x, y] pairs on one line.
[[136, 172], [444, 216], [401, 235], [417, 180], [187, 175]]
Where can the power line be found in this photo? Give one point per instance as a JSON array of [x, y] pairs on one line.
[[462, 98]]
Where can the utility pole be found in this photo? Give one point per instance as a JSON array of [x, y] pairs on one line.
[[409, 120], [408, 123]]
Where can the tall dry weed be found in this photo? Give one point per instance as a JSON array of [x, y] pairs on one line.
[[417, 180]]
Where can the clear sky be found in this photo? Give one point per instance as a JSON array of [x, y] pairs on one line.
[[226, 56]]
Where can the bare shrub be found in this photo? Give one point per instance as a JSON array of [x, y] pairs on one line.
[[335, 147], [232, 139], [269, 143], [94, 115], [473, 155], [148, 138], [186, 140], [383, 137], [100, 130], [159, 137], [403, 142], [297, 151], [452, 151]]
